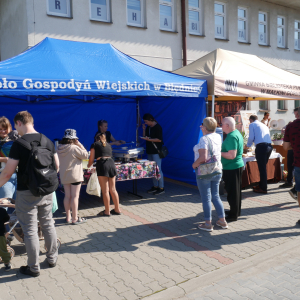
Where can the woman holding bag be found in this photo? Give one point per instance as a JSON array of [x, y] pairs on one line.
[[106, 172], [209, 147]]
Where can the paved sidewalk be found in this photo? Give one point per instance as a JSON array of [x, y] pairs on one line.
[[154, 246]]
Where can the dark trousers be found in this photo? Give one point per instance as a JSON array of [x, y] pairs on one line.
[[290, 161], [233, 186], [262, 154]]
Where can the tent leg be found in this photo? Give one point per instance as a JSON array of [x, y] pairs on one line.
[[206, 102], [213, 106], [137, 123]]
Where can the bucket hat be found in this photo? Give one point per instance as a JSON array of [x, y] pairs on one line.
[[70, 134]]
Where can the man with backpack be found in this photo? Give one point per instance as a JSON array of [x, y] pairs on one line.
[[37, 162]]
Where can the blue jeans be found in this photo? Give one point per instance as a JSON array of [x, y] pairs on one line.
[[157, 159], [209, 192], [8, 190], [297, 178]]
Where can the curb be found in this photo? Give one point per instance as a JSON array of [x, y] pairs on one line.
[[192, 285]]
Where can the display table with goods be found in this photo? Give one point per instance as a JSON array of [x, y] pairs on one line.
[[251, 172], [130, 171], [128, 166]]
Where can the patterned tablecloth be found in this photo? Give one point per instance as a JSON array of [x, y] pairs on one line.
[[130, 171]]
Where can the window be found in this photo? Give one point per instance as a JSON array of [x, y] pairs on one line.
[[195, 17], [242, 25], [297, 35], [297, 103], [281, 104], [100, 10], [262, 28], [136, 13], [263, 105], [281, 32], [59, 8], [167, 15], [220, 20]]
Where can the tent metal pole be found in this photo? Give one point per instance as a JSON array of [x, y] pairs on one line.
[[247, 104], [212, 106], [206, 101], [137, 122]]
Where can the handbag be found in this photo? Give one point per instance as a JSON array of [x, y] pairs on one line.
[[211, 167], [163, 152]]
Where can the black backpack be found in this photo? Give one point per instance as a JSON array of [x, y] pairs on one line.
[[41, 174]]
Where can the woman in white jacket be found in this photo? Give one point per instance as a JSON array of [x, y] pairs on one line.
[[71, 153]]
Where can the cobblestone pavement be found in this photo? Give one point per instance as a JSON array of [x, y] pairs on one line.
[[153, 246]]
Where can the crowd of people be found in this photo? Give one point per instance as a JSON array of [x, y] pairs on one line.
[[32, 206], [229, 157]]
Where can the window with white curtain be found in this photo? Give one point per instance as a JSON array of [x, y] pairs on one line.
[[136, 13], [242, 24], [281, 104], [167, 15], [195, 17], [297, 35], [263, 28], [297, 103], [220, 20], [100, 10], [281, 36], [264, 105]]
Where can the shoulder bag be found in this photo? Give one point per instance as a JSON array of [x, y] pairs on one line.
[[211, 167], [163, 152]]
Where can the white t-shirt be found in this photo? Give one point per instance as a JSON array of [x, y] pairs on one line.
[[216, 143]]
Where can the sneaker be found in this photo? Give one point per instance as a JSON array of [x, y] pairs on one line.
[[286, 185], [159, 191], [52, 265], [26, 271], [152, 190], [205, 227], [7, 267], [293, 193]]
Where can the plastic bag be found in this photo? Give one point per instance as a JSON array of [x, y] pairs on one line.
[[54, 200], [93, 186]]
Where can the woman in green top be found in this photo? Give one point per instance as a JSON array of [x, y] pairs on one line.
[[233, 165]]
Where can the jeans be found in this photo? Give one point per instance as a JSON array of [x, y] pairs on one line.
[[30, 210], [157, 159], [297, 179], [290, 167], [8, 190], [209, 192], [262, 154]]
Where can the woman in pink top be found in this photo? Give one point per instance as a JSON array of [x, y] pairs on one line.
[[71, 153]]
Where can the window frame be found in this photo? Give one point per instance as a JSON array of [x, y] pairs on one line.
[[284, 105], [108, 5], [267, 106], [67, 15], [200, 12], [173, 5], [267, 28], [143, 15], [296, 30], [245, 19], [295, 106], [225, 19], [284, 32]]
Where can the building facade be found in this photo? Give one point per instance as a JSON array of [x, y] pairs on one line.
[[151, 31]]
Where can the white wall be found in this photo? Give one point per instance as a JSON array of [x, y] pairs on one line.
[[13, 25]]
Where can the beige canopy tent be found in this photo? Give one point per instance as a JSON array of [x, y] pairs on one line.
[[237, 76]]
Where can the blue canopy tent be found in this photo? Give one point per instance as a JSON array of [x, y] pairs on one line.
[[66, 84]]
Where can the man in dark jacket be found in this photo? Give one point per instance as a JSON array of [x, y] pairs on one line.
[[4, 254]]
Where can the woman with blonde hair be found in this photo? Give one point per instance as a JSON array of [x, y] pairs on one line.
[[71, 153], [106, 172], [208, 146]]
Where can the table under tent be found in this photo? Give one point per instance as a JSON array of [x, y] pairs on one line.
[[66, 84]]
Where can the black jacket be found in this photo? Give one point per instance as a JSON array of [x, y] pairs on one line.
[[4, 217]]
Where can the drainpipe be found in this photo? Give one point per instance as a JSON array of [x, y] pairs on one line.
[[213, 106], [183, 29]]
